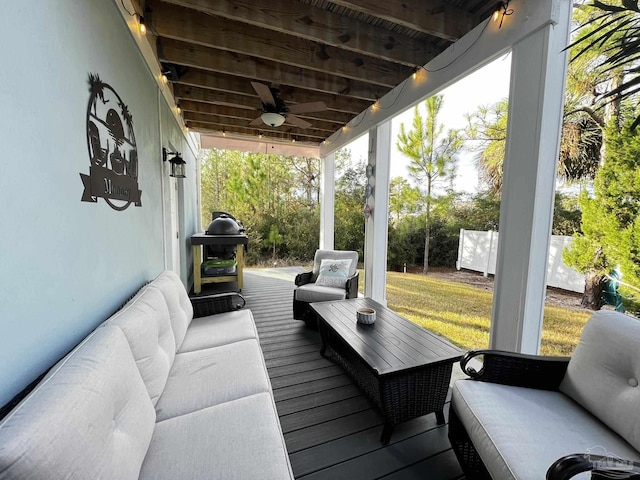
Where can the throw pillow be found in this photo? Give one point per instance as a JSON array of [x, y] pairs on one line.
[[333, 273]]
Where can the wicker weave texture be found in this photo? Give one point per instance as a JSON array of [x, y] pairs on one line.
[[213, 304], [400, 396], [467, 455]]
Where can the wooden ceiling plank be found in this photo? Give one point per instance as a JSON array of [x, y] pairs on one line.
[[206, 58], [241, 122], [282, 134], [208, 108], [188, 25], [216, 97], [311, 23], [433, 17], [232, 84]]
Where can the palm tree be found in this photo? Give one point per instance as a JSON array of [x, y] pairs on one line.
[[612, 33]]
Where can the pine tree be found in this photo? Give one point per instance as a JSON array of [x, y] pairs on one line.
[[432, 155]]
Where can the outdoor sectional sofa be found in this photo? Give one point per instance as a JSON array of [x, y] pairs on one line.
[[531, 417], [153, 393]]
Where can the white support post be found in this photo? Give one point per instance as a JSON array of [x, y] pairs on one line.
[[460, 249], [538, 70], [327, 201], [376, 226], [489, 250]]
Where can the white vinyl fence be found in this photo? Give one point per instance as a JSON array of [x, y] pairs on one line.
[[478, 251]]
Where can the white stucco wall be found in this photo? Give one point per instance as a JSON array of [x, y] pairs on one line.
[[66, 265]]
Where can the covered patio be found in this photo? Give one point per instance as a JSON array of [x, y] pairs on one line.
[[106, 98]]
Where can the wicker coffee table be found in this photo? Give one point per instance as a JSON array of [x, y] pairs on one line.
[[403, 368]]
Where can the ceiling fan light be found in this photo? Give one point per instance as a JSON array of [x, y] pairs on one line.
[[272, 119]]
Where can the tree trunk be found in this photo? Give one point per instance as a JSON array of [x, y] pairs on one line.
[[426, 249], [593, 286], [427, 230]]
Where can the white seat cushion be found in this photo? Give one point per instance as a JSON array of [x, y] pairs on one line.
[[204, 378], [220, 329], [91, 417], [520, 432], [314, 293], [604, 372], [240, 439]]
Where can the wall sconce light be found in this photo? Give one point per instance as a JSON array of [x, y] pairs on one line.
[[502, 10], [178, 165]]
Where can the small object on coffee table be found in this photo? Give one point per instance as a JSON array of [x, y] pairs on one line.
[[403, 368], [366, 316]]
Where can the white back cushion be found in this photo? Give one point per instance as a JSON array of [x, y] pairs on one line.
[[604, 372], [90, 417], [336, 255], [180, 308], [146, 324]]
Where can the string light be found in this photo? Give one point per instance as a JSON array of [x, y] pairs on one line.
[[164, 78], [224, 134], [143, 26], [502, 10]]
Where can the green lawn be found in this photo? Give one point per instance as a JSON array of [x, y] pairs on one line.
[[462, 313]]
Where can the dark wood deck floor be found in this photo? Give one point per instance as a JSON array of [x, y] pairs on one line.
[[331, 430]]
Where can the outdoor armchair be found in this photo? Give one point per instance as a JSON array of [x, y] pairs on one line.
[[526, 416], [337, 280]]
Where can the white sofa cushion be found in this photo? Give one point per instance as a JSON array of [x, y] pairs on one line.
[[314, 293], [146, 324], [219, 329], [604, 372], [180, 308], [205, 378], [519, 432], [240, 439], [90, 417]]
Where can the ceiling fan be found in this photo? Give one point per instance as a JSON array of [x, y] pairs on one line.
[[276, 112]]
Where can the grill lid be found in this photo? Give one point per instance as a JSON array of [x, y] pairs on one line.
[[223, 225]]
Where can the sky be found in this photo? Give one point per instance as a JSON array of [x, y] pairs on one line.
[[485, 86]]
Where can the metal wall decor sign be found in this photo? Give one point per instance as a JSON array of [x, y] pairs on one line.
[[113, 155]]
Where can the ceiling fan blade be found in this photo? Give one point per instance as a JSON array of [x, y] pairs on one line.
[[258, 121], [297, 121], [264, 93], [307, 107]]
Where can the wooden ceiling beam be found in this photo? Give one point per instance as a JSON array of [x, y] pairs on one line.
[[239, 113], [280, 134], [292, 17], [239, 85], [206, 58], [184, 92], [434, 17], [179, 23], [244, 123]]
